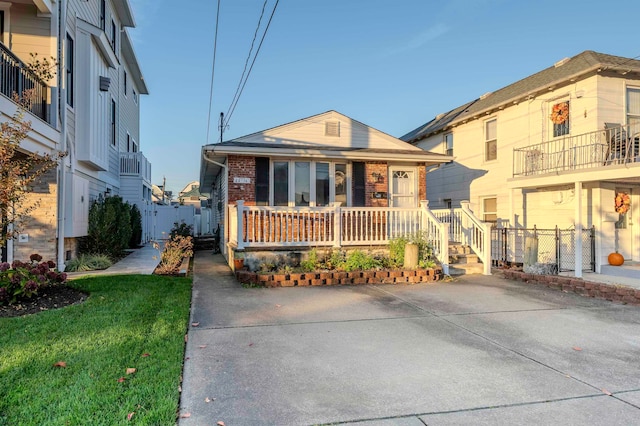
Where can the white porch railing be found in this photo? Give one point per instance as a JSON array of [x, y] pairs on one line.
[[262, 226], [135, 164], [466, 228]]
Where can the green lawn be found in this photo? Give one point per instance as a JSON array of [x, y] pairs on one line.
[[125, 318]]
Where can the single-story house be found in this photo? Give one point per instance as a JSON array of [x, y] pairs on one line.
[[325, 180]]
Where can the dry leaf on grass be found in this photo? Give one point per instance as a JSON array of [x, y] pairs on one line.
[[130, 415], [131, 370], [186, 338], [60, 364], [145, 355], [121, 379]]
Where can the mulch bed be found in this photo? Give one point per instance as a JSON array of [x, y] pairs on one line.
[[48, 298]]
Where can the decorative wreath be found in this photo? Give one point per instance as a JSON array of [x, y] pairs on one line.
[[623, 202], [560, 113]]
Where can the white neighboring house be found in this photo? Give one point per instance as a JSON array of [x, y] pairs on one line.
[[91, 111], [554, 148]]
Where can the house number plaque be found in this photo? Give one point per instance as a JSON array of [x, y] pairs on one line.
[[241, 180]]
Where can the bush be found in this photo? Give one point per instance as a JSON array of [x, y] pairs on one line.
[[175, 249], [136, 227], [24, 279], [109, 228], [88, 262], [311, 263], [358, 260], [425, 250], [181, 229]]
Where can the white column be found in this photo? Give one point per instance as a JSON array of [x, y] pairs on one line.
[[240, 211], [578, 227]]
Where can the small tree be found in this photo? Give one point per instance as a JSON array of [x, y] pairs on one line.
[[109, 227], [19, 171], [136, 227]]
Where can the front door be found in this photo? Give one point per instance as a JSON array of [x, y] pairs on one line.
[[403, 187], [623, 227]]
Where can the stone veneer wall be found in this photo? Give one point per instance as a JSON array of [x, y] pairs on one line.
[[42, 223]]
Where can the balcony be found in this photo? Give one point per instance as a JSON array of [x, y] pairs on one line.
[[136, 165], [615, 145], [16, 78]]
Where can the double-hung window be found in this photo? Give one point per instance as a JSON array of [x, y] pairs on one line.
[[490, 209], [491, 140], [633, 109], [113, 116], [69, 53], [448, 143]]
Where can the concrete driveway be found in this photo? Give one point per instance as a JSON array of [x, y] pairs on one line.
[[480, 350]]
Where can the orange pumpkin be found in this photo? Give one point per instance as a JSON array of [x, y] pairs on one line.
[[615, 259]]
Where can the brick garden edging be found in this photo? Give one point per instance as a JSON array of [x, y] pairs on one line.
[[339, 278], [611, 292]]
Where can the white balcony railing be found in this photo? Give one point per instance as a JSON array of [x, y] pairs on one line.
[[135, 164]]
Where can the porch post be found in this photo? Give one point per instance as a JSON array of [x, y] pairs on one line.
[[337, 225], [240, 211], [578, 227]]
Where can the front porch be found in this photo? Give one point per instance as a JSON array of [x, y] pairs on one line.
[[268, 227]]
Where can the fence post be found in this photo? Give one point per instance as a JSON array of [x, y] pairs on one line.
[[558, 252], [592, 237], [505, 245], [240, 224]]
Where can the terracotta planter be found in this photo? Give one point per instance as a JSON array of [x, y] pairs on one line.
[[238, 264], [615, 259]]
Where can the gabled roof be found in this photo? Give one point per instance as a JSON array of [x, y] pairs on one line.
[[564, 72]]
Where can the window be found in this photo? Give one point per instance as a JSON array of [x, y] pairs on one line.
[[359, 182], [134, 146], [491, 140], [302, 183], [125, 83], [447, 203], [103, 14], [448, 143], [322, 184], [633, 109], [560, 119], [114, 136], [280, 183], [129, 143], [340, 177], [135, 95], [114, 33], [69, 53], [490, 210], [262, 181]]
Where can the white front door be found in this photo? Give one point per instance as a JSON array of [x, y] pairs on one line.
[[624, 228], [403, 187]]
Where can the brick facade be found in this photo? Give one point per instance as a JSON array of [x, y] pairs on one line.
[[241, 166], [41, 226], [376, 184], [422, 182]]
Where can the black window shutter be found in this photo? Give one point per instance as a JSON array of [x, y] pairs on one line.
[[358, 184], [262, 181]]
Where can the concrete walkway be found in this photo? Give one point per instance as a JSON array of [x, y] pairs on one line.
[[140, 261], [478, 350]]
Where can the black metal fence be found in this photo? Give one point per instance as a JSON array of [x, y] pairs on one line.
[[16, 78], [555, 248]]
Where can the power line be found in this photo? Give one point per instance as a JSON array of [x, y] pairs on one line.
[[233, 106], [246, 62], [213, 69]]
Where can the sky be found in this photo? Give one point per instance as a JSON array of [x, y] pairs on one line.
[[393, 65]]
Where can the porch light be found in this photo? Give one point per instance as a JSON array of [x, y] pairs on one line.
[[377, 176]]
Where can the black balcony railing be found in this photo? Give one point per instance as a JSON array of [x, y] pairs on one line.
[[613, 145], [16, 79]]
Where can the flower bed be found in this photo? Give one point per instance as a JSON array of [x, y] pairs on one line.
[[395, 276]]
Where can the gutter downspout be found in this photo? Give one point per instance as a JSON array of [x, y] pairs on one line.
[[226, 198], [62, 112]]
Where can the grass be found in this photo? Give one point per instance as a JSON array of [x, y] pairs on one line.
[[124, 318]]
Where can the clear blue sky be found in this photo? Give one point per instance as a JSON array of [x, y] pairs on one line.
[[392, 64]]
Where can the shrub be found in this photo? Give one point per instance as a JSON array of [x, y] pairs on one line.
[[181, 229], [311, 263], [88, 262], [109, 227], [175, 249], [425, 250], [24, 279], [136, 227], [358, 260]]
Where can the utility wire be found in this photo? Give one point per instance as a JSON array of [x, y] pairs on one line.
[[233, 106], [213, 69], [246, 63]]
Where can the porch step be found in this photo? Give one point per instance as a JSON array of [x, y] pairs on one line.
[[465, 268], [627, 270], [463, 261]]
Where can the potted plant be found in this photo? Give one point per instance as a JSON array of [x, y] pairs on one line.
[[238, 260]]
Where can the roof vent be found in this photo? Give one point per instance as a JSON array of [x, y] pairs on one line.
[[332, 128], [561, 62], [486, 95]]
